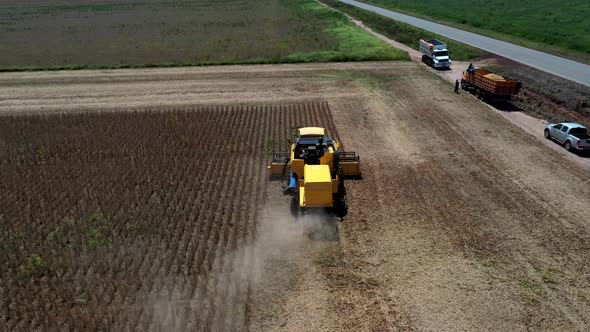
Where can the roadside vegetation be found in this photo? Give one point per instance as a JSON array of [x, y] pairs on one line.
[[40, 35], [558, 27], [401, 32]]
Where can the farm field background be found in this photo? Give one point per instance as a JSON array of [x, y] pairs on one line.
[[141, 218], [95, 34], [560, 27]]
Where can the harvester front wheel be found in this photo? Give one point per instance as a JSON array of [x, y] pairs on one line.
[[341, 187], [340, 207], [294, 207]]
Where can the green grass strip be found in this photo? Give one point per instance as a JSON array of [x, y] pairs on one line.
[[402, 32], [353, 43]]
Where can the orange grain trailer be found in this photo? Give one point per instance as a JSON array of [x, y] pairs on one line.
[[486, 85]]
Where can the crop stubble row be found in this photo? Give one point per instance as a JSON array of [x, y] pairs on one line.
[[134, 220]]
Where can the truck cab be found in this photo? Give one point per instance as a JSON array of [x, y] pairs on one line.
[[441, 59]]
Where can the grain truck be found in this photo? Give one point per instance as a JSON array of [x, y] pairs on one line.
[[435, 53], [486, 85]]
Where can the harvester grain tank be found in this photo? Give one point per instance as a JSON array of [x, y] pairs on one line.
[[435, 53], [314, 170], [487, 85]]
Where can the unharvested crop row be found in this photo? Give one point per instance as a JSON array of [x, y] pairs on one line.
[[134, 220]]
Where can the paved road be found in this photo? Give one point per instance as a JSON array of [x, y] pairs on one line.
[[571, 70]]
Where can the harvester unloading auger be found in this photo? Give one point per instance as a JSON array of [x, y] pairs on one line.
[[315, 170]]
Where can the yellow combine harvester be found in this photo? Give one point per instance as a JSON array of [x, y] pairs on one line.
[[315, 169]]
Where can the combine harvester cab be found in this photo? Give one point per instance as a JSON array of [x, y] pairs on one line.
[[314, 170]]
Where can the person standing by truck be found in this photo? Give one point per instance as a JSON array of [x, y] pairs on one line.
[[457, 86]]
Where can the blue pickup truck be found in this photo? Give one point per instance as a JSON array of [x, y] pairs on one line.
[[573, 136]]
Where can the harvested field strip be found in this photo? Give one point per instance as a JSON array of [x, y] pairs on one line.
[[133, 220]]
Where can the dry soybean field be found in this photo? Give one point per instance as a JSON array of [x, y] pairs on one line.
[[130, 220]]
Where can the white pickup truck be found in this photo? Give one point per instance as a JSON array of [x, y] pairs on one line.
[[573, 136]]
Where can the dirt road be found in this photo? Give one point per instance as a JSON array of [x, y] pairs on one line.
[[462, 221]]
